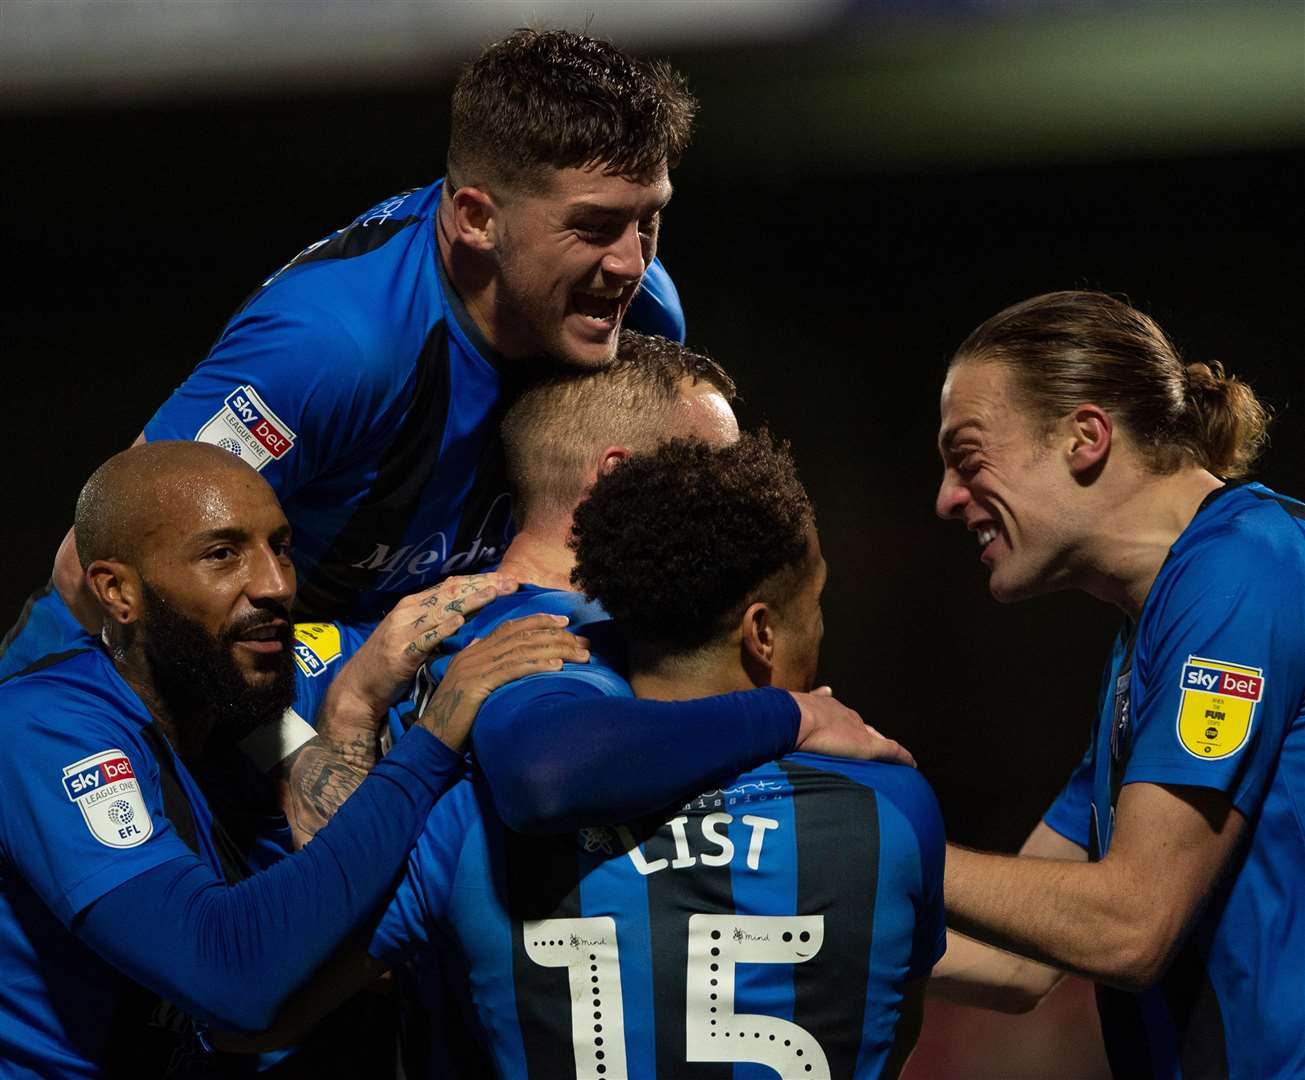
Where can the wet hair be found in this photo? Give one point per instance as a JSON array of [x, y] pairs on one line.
[[1069, 348], [553, 431], [677, 543], [122, 499], [542, 100]]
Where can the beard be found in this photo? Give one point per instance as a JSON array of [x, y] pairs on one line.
[[195, 672]]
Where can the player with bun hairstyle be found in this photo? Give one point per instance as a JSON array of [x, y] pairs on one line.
[[1084, 453]]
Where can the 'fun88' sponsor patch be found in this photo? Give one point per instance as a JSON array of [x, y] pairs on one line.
[[104, 788], [248, 428], [1217, 707], [316, 646]]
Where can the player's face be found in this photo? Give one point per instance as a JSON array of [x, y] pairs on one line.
[[1004, 482], [801, 626], [571, 260], [220, 558]]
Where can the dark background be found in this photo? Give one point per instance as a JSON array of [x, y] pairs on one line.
[[833, 294], [855, 203]]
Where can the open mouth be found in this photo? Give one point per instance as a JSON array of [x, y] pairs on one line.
[[265, 638], [600, 307]]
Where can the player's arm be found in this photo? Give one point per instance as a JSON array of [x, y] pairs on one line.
[[571, 759], [972, 973], [908, 1027], [1117, 921], [326, 771]]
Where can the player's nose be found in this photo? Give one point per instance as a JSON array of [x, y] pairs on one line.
[[625, 258], [952, 496]]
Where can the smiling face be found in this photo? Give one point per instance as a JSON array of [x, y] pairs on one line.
[[218, 556], [570, 261], [1004, 480]]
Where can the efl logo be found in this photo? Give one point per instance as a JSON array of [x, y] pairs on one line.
[[1221, 680], [104, 772], [246, 427], [1216, 706], [104, 788]]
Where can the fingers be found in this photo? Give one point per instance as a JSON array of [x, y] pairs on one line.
[[461, 595], [823, 691]]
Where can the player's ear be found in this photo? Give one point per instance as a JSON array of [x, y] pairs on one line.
[[475, 219], [757, 643], [611, 457], [1090, 432], [116, 586]]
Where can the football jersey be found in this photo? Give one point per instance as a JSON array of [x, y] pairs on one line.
[[768, 924], [357, 384], [83, 812], [1208, 690]]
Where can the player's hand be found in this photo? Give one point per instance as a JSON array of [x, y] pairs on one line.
[[383, 668], [830, 727], [516, 648]]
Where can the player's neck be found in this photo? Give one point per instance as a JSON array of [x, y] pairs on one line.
[[1134, 538], [188, 735], [538, 555], [706, 673], [475, 280]]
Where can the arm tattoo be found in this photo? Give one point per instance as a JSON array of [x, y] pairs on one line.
[[441, 710], [323, 775]]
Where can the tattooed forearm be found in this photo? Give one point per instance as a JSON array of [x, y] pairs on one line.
[[324, 774], [440, 713]]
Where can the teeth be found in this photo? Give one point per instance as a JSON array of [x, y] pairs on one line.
[[987, 535], [603, 294]]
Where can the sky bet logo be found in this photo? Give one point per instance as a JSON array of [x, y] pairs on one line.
[[1224, 683], [104, 788], [98, 776], [267, 429]]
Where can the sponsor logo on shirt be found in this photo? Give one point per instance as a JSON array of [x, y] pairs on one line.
[[1217, 706], [317, 645], [246, 427], [406, 567], [105, 789]]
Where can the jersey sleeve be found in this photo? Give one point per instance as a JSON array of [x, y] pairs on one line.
[[287, 389], [421, 899], [1070, 814], [656, 306], [82, 809], [1220, 670], [561, 752]]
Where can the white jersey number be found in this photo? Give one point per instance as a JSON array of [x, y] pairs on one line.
[[587, 948]]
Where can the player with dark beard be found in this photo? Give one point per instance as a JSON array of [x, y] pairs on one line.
[[121, 890]]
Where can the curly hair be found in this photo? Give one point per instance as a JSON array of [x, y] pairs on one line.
[[557, 99], [553, 430], [677, 543]]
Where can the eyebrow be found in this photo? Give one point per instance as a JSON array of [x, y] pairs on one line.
[[948, 435], [584, 206]]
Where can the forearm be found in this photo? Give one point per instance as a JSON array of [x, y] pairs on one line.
[[231, 955], [577, 761], [1083, 917], [983, 976]]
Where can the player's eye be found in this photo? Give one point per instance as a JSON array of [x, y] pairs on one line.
[[220, 554]]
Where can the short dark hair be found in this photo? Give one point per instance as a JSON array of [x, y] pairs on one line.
[[554, 428], [677, 543], [1069, 348], [555, 99]]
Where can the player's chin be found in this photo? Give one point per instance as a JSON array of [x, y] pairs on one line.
[[587, 342]]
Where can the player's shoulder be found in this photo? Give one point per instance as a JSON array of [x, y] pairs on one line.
[[535, 600], [656, 308], [61, 682], [902, 786]]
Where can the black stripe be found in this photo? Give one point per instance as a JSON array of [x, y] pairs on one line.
[[348, 243], [674, 895], [1295, 509], [331, 589], [24, 616], [837, 826], [1124, 1033], [543, 882], [1197, 1017], [46, 661]]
